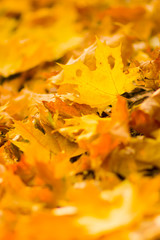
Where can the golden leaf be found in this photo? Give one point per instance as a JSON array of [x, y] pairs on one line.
[[100, 87]]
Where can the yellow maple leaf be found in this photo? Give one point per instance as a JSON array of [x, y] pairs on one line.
[[100, 87]]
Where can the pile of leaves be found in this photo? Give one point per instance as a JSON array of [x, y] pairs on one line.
[[79, 119]]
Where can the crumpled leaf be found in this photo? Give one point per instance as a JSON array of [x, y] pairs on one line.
[[67, 108], [146, 118], [36, 145]]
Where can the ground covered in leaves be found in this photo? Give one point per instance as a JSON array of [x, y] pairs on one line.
[[79, 119]]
